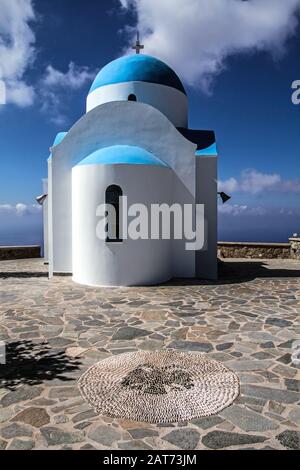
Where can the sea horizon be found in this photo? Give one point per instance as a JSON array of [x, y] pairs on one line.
[[28, 238]]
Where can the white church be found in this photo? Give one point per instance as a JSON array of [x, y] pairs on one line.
[[133, 141]]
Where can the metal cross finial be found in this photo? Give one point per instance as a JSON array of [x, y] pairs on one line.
[[138, 46]]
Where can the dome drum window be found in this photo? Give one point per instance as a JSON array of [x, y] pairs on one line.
[[132, 97]]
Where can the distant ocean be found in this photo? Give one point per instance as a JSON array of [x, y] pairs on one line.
[[266, 229], [20, 238], [239, 234], [263, 235], [273, 227]]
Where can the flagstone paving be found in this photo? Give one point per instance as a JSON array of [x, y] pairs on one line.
[[54, 330]]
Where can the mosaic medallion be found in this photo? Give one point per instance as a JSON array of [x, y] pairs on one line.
[[158, 381], [159, 387]]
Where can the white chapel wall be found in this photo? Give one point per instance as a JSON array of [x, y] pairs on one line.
[[117, 123]]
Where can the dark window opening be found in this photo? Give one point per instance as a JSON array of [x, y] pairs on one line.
[[132, 98], [112, 198]]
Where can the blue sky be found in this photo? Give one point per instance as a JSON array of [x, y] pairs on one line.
[[237, 65]]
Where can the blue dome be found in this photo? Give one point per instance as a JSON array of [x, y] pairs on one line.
[[137, 68], [122, 155]]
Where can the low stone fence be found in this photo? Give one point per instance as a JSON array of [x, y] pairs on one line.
[[19, 252], [225, 250], [254, 250], [295, 248]]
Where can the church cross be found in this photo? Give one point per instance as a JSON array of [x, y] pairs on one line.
[[138, 46]]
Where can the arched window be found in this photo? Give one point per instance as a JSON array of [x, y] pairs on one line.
[[112, 198], [132, 98]]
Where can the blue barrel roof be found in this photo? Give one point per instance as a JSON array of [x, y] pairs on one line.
[[137, 68], [59, 138], [122, 154]]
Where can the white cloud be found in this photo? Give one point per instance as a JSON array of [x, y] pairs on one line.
[[20, 209], [5, 207], [197, 36], [17, 51], [20, 94], [73, 79], [229, 186], [55, 88], [237, 210], [254, 182], [17, 54]]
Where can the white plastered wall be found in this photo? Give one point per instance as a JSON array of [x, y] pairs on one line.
[[45, 221], [117, 123], [170, 101], [132, 262], [50, 220], [207, 194]]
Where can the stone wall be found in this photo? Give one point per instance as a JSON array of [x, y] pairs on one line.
[[295, 248], [225, 250], [19, 252], [254, 250]]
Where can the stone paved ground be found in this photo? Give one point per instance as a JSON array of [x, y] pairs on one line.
[[55, 330]]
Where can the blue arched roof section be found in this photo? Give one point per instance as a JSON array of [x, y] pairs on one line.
[[122, 155], [211, 150], [137, 68], [58, 139]]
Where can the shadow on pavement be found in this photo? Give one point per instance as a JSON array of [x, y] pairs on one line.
[[29, 363], [235, 272]]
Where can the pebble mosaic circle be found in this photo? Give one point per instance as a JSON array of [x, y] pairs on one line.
[[159, 387]]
